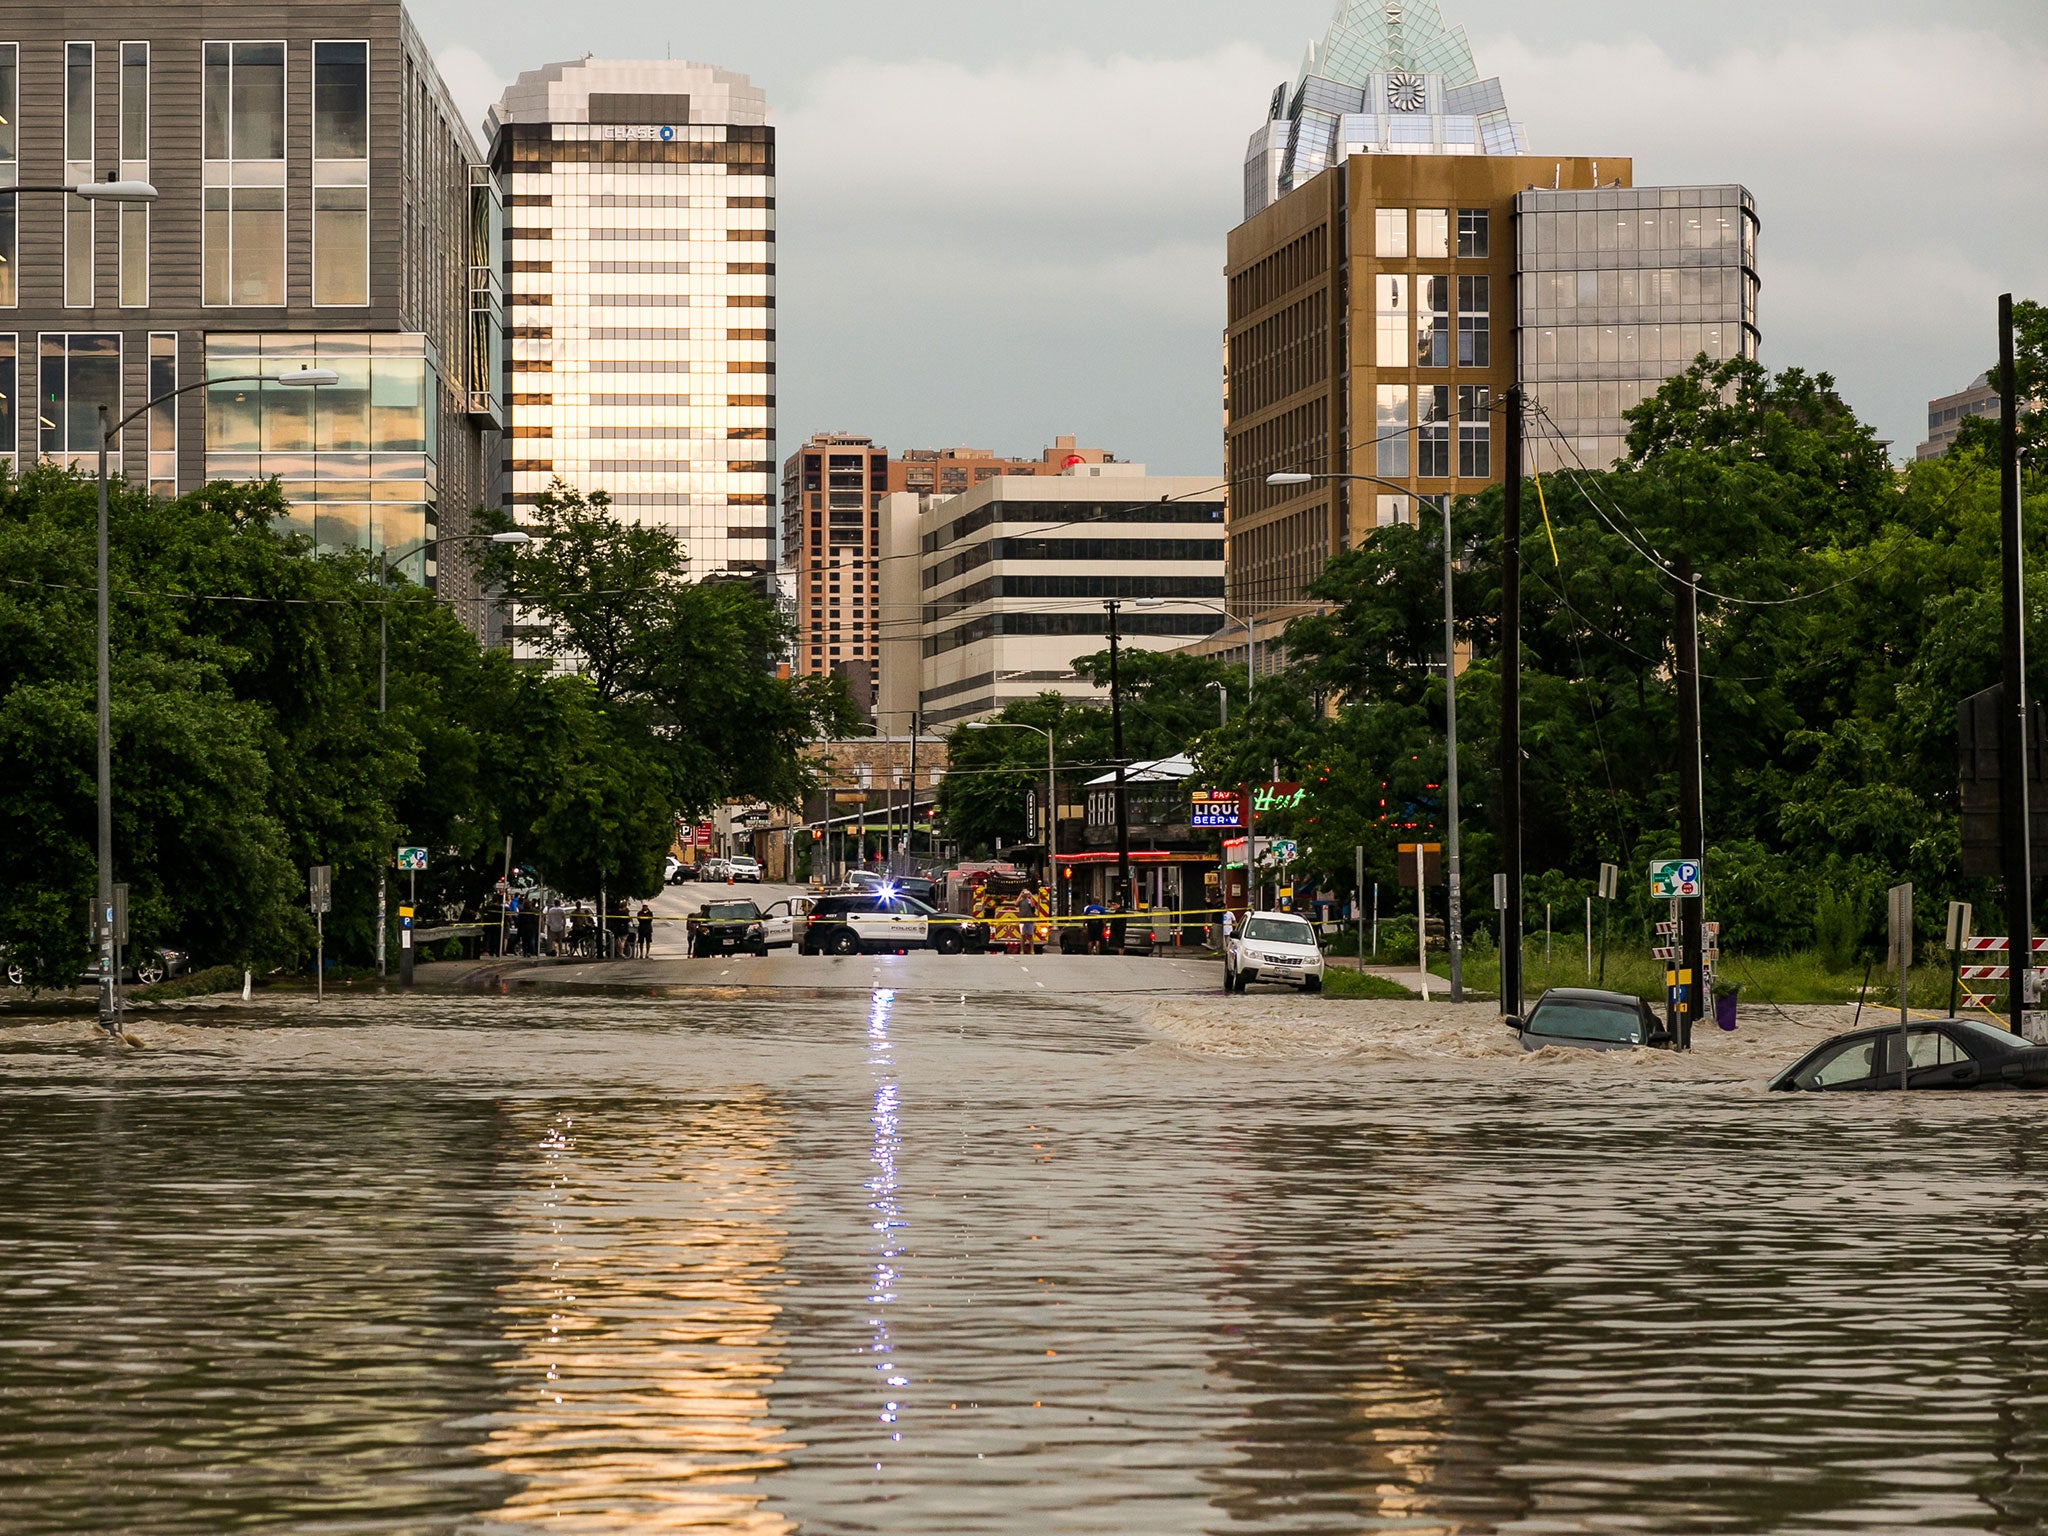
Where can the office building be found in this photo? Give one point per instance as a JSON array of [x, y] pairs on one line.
[[640, 275], [1619, 289], [1013, 577], [1946, 415], [832, 490], [320, 205], [1400, 235]]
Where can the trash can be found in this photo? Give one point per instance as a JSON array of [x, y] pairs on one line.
[[1724, 1005]]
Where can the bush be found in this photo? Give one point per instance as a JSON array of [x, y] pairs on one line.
[[1838, 928]]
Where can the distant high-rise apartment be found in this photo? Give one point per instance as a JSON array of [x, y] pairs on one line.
[[1946, 415], [1400, 238], [832, 490], [640, 274], [320, 205]]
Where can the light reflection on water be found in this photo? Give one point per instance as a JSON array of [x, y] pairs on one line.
[[883, 1262]]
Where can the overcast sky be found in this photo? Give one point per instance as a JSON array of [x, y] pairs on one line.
[[999, 222]]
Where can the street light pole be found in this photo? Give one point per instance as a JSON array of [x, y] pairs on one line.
[[1453, 865], [1052, 811], [104, 754], [1116, 729]]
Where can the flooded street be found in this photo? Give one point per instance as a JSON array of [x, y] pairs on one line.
[[869, 1261]]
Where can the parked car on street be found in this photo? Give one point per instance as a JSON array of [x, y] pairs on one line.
[[725, 928], [877, 922], [1939, 1053], [741, 868], [1276, 947], [144, 967], [677, 872], [1589, 1019], [714, 869]]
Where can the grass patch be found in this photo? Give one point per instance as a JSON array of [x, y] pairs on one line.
[[1346, 983], [1802, 977]]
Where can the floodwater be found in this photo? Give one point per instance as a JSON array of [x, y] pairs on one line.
[[871, 1262]]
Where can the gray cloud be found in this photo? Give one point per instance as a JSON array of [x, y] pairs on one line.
[[998, 223]]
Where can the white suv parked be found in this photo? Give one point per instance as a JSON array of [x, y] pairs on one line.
[[1274, 946], [743, 868]]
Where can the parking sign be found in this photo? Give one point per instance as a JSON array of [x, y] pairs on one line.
[[412, 858], [1675, 879]]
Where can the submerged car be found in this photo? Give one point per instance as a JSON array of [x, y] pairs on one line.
[[1277, 947], [725, 928], [1589, 1019], [1939, 1053]]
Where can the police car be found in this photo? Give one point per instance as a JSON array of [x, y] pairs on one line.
[[882, 921]]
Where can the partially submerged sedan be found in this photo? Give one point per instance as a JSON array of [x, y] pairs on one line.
[[1938, 1053], [1590, 1020]]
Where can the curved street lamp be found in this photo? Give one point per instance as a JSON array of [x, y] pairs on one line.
[[1454, 941], [110, 979], [1052, 799]]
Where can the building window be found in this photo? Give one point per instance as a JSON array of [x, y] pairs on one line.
[[1391, 429], [10, 138], [9, 388], [1475, 345], [341, 173], [78, 93], [1390, 303], [1391, 510], [1475, 432], [134, 167], [163, 416], [81, 371], [1433, 323], [244, 217], [1432, 233], [1472, 233], [1433, 434], [1390, 232]]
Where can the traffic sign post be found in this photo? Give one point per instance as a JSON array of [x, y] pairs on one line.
[[405, 946], [1958, 931], [1899, 901], [1677, 879], [1610, 887], [320, 896]]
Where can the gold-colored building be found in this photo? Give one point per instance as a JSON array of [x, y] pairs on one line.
[[1372, 329]]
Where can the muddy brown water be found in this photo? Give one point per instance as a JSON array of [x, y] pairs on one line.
[[870, 1262]]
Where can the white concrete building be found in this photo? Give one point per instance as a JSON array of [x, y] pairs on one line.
[[640, 280], [1013, 578]]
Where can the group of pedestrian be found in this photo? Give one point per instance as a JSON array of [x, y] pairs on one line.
[[560, 930]]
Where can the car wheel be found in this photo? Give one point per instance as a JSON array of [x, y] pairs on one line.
[[1311, 983], [761, 951], [845, 942], [150, 972], [16, 976], [947, 943], [1243, 981]]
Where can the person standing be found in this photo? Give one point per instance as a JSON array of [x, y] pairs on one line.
[[557, 926], [646, 930], [1027, 922]]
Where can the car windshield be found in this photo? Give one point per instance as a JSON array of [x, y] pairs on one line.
[[906, 904], [1280, 930], [1576, 1020], [731, 912]]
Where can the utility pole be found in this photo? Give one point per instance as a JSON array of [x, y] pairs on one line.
[[2015, 815], [910, 827], [103, 927], [1691, 805], [1454, 940], [1116, 731], [1511, 706]]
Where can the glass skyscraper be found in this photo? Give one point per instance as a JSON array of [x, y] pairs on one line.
[[320, 204], [640, 277]]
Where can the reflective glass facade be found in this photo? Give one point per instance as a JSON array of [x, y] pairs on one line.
[[356, 459], [640, 283], [1618, 289], [317, 187]]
